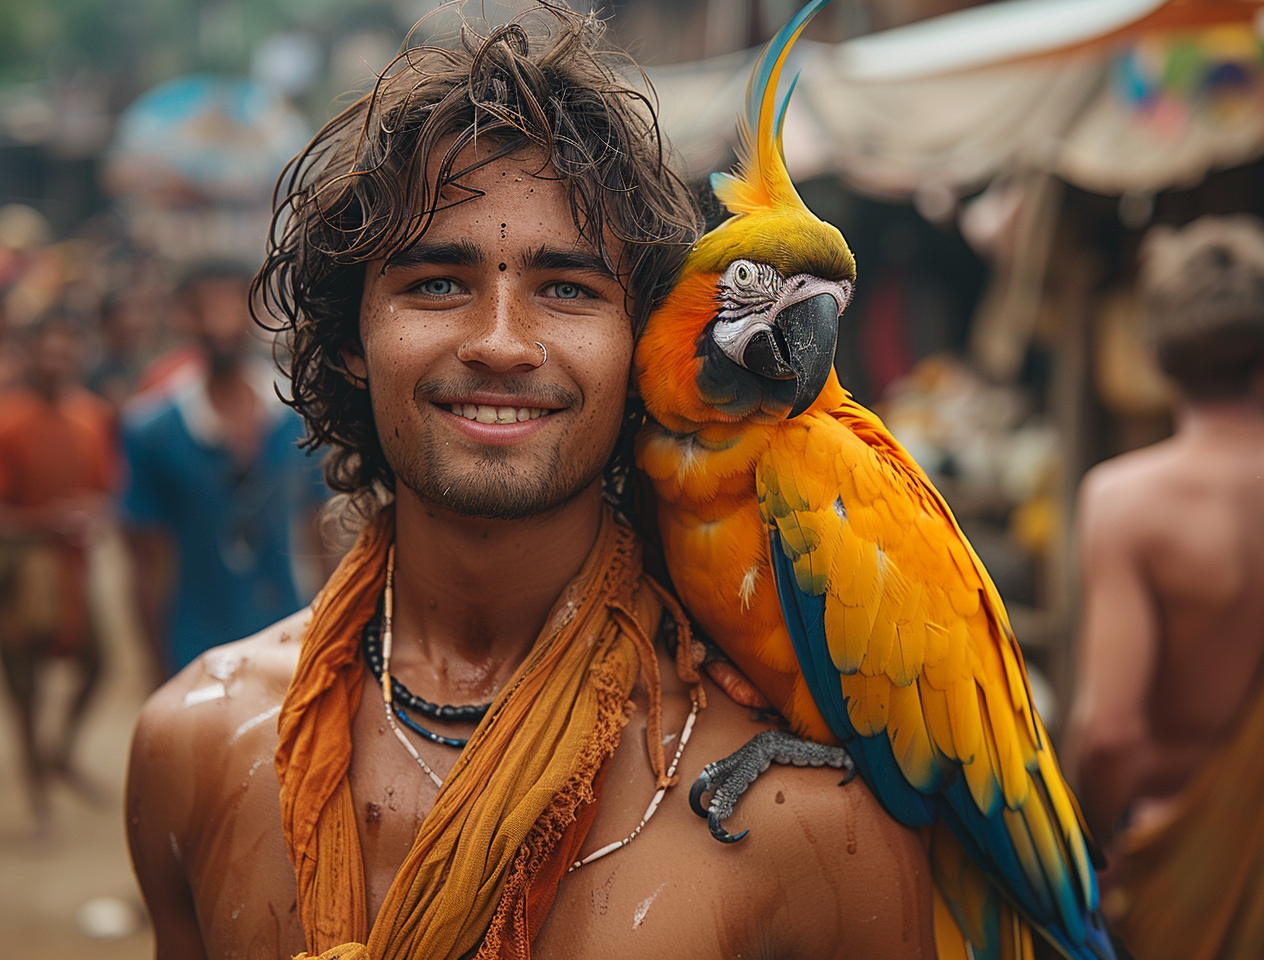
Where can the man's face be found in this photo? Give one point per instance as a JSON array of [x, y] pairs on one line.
[[54, 357], [219, 316], [470, 416]]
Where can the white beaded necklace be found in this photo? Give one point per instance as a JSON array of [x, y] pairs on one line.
[[653, 807], [388, 607]]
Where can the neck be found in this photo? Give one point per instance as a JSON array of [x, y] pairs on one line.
[[1221, 419], [472, 594]]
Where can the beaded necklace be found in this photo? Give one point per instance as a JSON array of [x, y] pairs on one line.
[[388, 607], [388, 692], [372, 648]]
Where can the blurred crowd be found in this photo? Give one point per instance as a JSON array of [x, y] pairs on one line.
[[141, 433]]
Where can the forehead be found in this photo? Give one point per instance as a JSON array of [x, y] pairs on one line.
[[516, 199]]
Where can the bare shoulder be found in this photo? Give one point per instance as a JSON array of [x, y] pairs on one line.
[[848, 879], [1127, 498], [1115, 484], [234, 678], [854, 882], [197, 719], [201, 740]]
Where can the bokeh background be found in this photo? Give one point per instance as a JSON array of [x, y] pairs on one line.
[[994, 167]]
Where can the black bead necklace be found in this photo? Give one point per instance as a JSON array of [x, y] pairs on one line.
[[401, 696]]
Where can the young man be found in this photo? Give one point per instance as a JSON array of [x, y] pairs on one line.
[[57, 469], [1168, 724], [214, 471], [468, 254]]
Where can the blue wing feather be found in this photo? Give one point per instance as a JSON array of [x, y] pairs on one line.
[[805, 619]]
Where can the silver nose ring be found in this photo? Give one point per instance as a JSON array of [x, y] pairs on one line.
[[545, 351]]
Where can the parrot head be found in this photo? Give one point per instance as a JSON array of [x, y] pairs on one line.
[[749, 330]]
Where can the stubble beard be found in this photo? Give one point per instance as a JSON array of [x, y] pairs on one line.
[[504, 483], [494, 488]]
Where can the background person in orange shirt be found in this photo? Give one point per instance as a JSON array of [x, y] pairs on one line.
[[57, 468]]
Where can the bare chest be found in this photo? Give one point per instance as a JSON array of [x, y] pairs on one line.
[[672, 892], [662, 895]]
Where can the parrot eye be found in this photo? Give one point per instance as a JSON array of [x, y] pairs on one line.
[[743, 274]]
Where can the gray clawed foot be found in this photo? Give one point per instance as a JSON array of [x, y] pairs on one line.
[[727, 779]]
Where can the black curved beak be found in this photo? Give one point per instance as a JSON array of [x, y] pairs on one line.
[[767, 355], [809, 331]]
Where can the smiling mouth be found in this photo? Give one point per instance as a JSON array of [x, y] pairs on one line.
[[485, 413]]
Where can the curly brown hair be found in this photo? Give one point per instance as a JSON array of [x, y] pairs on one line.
[[364, 189]]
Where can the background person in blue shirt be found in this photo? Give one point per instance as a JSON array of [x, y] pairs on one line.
[[220, 501]]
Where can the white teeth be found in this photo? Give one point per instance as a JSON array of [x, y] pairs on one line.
[[485, 413]]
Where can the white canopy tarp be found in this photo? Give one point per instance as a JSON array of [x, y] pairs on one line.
[[956, 100]]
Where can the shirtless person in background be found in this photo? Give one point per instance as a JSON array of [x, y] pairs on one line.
[[1171, 648], [473, 367]]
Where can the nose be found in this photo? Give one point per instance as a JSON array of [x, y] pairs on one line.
[[500, 337]]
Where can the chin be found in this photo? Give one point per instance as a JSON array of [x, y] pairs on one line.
[[496, 491]]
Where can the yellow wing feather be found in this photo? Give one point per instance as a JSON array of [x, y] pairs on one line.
[[915, 626]]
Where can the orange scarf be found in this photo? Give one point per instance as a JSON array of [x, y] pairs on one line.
[[516, 807]]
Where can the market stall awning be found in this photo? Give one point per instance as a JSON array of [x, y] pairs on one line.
[[1111, 95]]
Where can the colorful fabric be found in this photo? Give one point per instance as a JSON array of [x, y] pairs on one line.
[[515, 808], [50, 452], [1192, 885]]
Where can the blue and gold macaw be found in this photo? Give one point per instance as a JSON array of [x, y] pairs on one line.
[[817, 554]]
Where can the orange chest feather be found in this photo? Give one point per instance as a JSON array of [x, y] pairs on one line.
[[666, 360], [716, 545]]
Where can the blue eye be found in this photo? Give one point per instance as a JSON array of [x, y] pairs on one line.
[[438, 287], [561, 290]]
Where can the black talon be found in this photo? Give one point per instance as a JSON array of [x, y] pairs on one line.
[[716, 826], [700, 786], [727, 779]]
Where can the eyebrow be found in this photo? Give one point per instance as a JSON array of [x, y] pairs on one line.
[[454, 253], [554, 258]]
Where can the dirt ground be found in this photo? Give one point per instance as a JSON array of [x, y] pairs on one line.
[[45, 881]]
